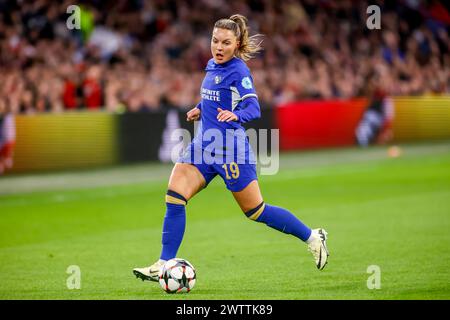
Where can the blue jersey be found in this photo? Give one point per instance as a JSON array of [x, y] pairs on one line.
[[228, 86], [223, 147]]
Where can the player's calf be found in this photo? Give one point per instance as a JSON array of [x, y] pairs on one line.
[[284, 221]]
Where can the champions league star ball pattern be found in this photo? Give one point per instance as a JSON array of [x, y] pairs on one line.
[[177, 275]]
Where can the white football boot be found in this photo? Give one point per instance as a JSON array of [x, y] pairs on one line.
[[318, 248], [149, 273]]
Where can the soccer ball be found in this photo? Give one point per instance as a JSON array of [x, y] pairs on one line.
[[177, 275]]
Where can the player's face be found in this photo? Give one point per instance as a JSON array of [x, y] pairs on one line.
[[223, 45]]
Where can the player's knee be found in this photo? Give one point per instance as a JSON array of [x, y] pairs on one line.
[[174, 197], [185, 180], [256, 212]]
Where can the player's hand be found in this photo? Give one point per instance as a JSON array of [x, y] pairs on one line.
[[225, 115], [193, 114]]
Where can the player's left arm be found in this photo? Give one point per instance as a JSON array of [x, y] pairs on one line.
[[247, 108]]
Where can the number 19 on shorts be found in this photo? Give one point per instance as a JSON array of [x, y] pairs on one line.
[[232, 168]]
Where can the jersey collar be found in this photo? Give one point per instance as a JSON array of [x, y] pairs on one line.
[[214, 65]]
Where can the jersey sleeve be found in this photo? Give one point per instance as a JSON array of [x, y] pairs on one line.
[[245, 100], [248, 110], [244, 85]]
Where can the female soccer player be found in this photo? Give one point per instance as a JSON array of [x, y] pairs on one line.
[[228, 100]]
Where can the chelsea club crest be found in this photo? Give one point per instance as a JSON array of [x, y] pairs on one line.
[[217, 79]]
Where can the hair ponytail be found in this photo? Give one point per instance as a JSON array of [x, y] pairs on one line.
[[248, 46]]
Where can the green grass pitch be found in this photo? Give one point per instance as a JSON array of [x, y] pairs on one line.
[[390, 212]]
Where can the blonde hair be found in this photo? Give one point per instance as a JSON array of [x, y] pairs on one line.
[[248, 46]]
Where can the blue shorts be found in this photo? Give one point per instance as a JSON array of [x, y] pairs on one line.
[[236, 174]]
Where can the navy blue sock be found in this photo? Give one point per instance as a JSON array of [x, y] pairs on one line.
[[279, 219], [174, 225]]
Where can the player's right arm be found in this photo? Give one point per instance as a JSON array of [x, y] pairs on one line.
[[194, 113]]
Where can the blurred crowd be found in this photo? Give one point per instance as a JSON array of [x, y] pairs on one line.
[[140, 55]]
